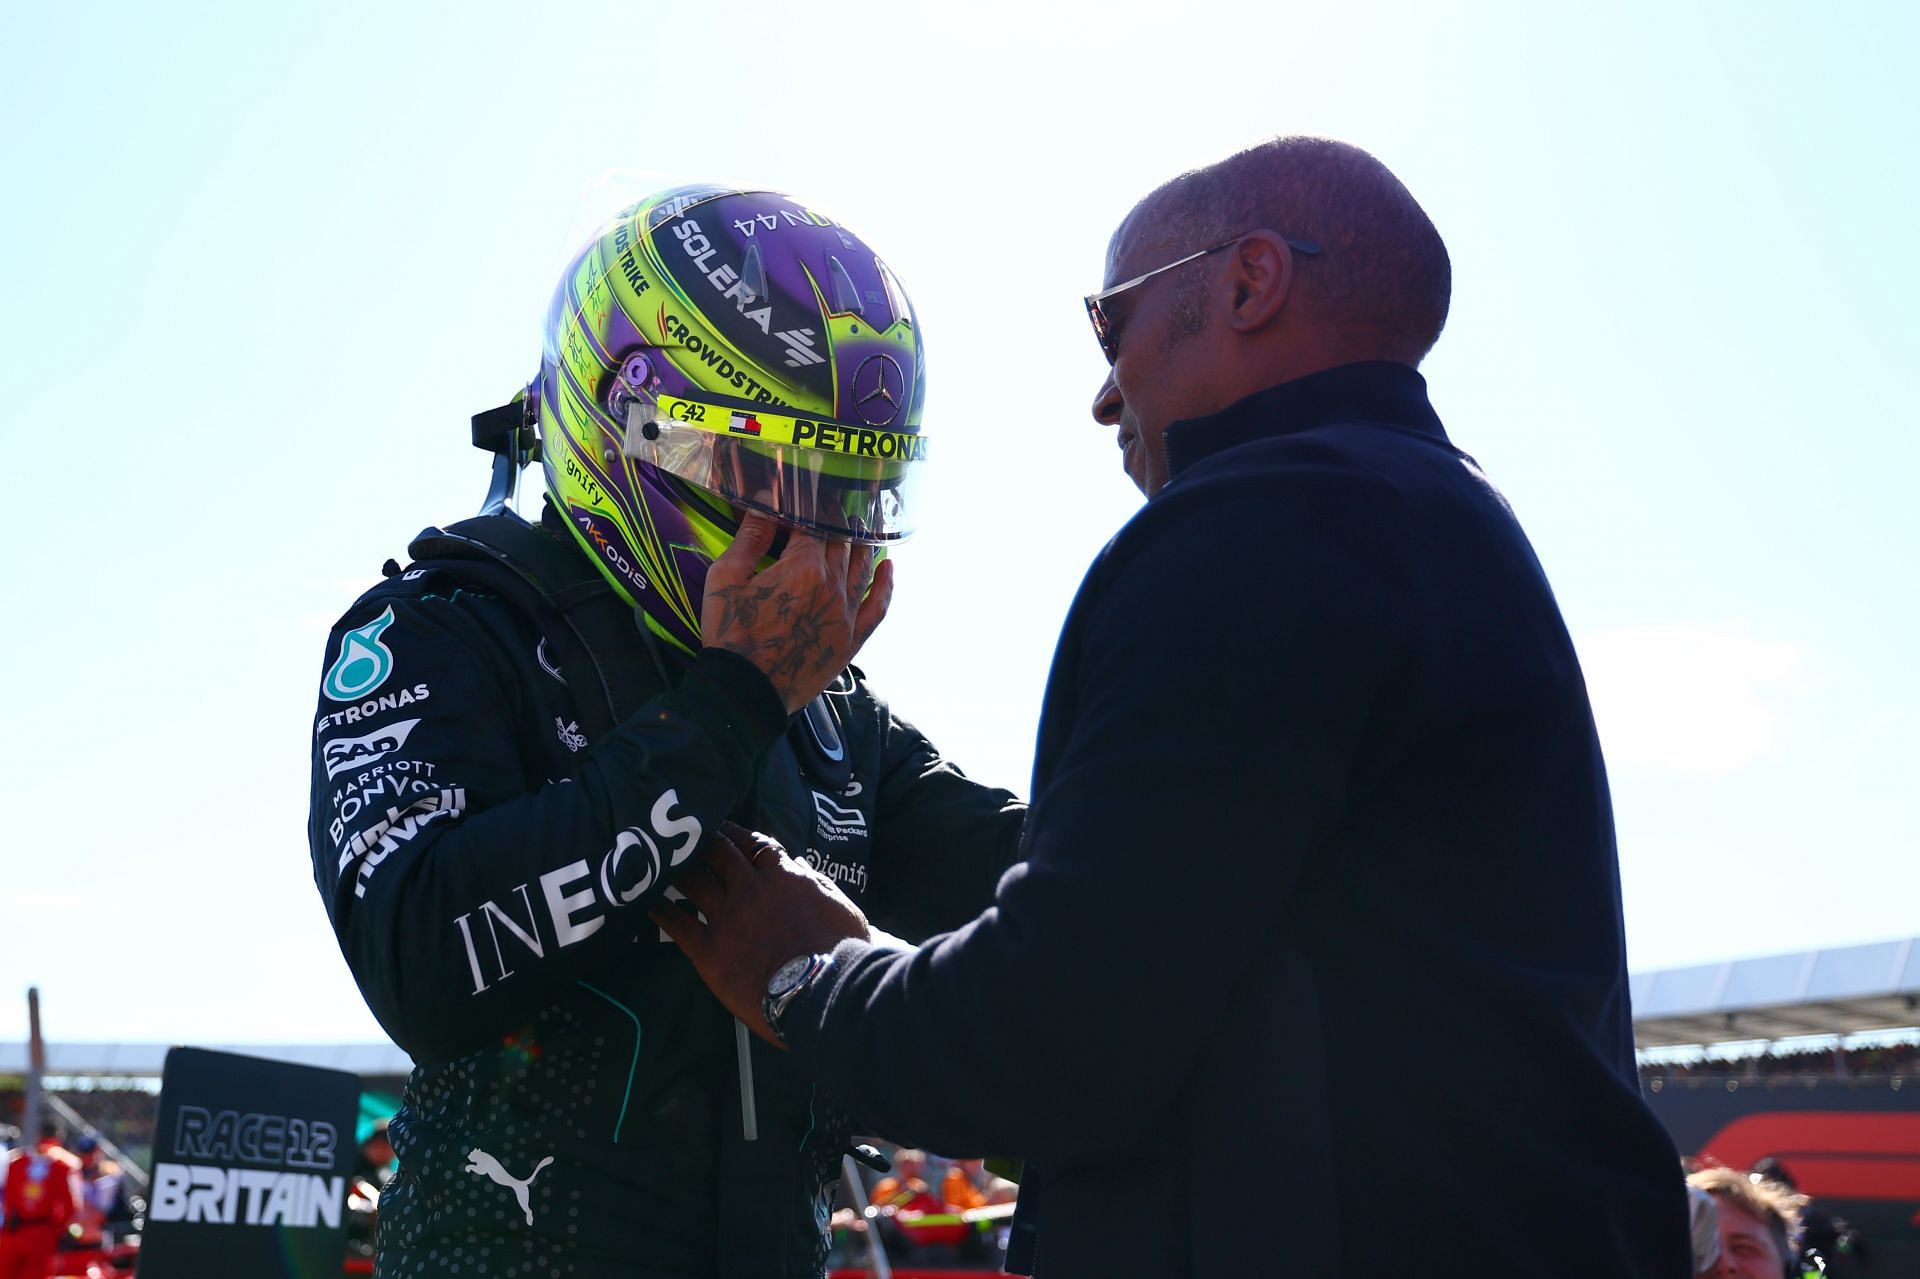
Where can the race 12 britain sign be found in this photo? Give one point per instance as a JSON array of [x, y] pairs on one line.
[[251, 1164]]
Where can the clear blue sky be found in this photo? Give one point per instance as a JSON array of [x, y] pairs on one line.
[[258, 265]]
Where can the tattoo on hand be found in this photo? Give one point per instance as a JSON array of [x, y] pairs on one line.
[[805, 645], [792, 650]]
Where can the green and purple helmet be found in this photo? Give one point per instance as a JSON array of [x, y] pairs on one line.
[[715, 349]]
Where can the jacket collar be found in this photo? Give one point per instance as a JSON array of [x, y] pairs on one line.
[[1377, 391]]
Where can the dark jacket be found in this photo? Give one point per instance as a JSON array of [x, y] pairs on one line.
[[488, 831], [1315, 962]]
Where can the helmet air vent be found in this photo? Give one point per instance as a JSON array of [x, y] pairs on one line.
[[846, 298], [753, 274], [896, 296]]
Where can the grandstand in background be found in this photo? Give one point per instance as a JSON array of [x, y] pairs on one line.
[[1848, 992]]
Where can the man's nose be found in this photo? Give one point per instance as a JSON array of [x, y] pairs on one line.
[[1106, 401]]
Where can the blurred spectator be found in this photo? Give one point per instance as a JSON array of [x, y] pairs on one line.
[[375, 1164], [1834, 1238], [102, 1201], [1706, 1231], [41, 1195], [958, 1192], [98, 1189], [1758, 1224], [372, 1168], [906, 1182], [989, 1188], [920, 1217]]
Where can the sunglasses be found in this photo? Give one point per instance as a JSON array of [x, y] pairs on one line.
[[1106, 330]]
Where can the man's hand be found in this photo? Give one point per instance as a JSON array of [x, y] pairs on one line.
[[763, 908], [803, 618]]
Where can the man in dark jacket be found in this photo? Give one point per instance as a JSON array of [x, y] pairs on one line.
[[1320, 862], [523, 737]]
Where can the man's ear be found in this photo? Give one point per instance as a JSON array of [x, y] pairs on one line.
[[1260, 277]]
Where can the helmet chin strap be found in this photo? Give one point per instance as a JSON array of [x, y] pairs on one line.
[[508, 433]]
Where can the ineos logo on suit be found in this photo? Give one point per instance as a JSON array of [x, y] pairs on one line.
[[626, 871]]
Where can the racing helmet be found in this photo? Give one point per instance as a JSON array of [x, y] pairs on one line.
[[713, 350]]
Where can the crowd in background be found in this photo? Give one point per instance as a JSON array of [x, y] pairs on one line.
[[1881, 1061], [123, 1117]]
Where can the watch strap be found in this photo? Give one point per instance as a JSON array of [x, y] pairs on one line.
[[775, 1003]]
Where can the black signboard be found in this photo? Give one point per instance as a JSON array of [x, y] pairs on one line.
[[251, 1164]]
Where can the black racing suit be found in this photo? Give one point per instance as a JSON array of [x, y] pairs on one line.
[[489, 824]]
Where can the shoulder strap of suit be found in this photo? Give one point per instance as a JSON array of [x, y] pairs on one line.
[[545, 577]]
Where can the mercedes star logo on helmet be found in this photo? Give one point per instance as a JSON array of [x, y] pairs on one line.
[[879, 389]]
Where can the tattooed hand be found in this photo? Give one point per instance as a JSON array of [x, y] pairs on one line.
[[801, 619]]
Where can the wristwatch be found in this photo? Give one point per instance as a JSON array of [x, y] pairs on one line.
[[788, 980]]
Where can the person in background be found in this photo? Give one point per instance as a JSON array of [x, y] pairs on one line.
[[906, 1182], [998, 1189], [957, 1188], [375, 1162], [41, 1196], [1706, 1231], [1759, 1223], [103, 1201], [1835, 1239]]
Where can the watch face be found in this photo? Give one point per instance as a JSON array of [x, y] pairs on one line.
[[788, 975]]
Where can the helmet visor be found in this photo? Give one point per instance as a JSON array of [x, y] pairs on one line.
[[838, 479]]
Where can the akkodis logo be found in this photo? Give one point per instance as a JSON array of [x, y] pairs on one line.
[[364, 662]]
